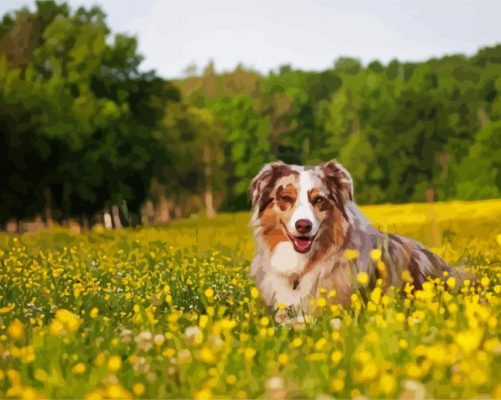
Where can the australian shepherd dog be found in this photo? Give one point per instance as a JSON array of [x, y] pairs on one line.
[[305, 219]]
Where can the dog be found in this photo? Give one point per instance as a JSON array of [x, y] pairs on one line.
[[305, 219]]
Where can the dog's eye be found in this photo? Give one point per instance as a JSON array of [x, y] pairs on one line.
[[287, 199], [318, 200]]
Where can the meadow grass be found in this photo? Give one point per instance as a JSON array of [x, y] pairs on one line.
[[170, 312]]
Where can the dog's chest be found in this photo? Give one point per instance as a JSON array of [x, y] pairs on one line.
[[281, 278], [289, 290]]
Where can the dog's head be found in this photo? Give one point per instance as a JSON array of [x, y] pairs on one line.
[[301, 204]]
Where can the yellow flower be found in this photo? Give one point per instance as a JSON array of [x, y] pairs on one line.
[[363, 278], [94, 312], [321, 302], [207, 355], [336, 356], [283, 359], [202, 323], [406, 276], [40, 375], [79, 368], [138, 389], [387, 384], [8, 308], [114, 363], [469, 340], [249, 353], [203, 394], [451, 282], [209, 294], [337, 385], [320, 344], [375, 254], [376, 295], [485, 282], [351, 254], [254, 293], [65, 322], [16, 329]]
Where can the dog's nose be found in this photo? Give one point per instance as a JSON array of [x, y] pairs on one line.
[[303, 225]]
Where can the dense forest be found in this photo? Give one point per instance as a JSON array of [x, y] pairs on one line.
[[83, 129]]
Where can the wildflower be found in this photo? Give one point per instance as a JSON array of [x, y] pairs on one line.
[[7, 309], [451, 282], [249, 353], [209, 294], [406, 276], [351, 254], [65, 322], [321, 302], [254, 293], [144, 341], [79, 368], [469, 340], [336, 356], [207, 355], [203, 321], [375, 254], [16, 329], [138, 389], [283, 359], [158, 340], [337, 385], [114, 363], [363, 278], [319, 345], [203, 394], [387, 384], [485, 281]]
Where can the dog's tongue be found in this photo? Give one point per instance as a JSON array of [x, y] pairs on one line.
[[302, 245]]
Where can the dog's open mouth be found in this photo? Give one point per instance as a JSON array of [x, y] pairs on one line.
[[302, 244]]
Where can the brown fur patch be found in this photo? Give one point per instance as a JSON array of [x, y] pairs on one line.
[[286, 196], [262, 185], [272, 231]]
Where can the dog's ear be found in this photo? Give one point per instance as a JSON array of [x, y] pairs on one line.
[[338, 181], [262, 184]]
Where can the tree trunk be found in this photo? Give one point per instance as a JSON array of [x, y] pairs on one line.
[[208, 195], [108, 224], [115, 214], [49, 222], [162, 212]]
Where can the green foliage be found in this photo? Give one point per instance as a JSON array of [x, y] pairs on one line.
[[81, 127]]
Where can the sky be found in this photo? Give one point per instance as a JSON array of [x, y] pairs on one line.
[[306, 34]]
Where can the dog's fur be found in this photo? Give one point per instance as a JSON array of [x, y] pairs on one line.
[[290, 267]]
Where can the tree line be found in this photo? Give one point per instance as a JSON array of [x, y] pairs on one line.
[[83, 128]]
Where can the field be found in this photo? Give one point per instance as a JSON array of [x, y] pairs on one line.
[[170, 312]]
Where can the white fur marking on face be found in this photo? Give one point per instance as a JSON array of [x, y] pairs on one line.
[[285, 260], [304, 209]]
